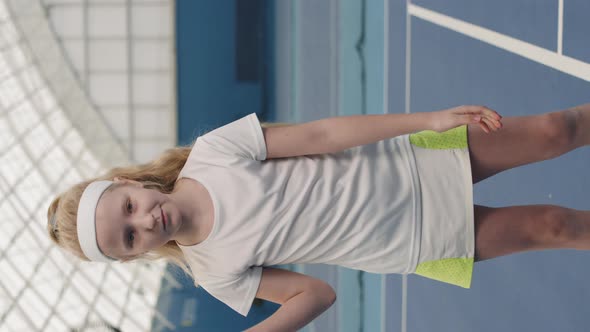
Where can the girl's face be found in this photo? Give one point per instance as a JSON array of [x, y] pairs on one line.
[[131, 220]]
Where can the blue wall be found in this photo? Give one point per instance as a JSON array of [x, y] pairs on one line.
[[209, 94]]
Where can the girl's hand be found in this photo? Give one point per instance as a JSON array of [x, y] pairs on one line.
[[488, 120]]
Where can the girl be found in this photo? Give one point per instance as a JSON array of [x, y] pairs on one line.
[[385, 193]]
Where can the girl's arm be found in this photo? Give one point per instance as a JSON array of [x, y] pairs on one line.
[[339, 133], [343, 132], [302, 299]]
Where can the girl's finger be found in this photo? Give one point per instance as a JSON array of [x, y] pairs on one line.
[[496, 116], [492, 117], [496, 122], [492, 123], [489, 123], [499, 124], [490, 113], [483, 126], [472, 110], [484, 112]]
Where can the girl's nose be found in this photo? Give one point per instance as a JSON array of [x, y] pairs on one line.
[[148, 221]]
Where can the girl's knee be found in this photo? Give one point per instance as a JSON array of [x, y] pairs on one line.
[[560, 130], [503, 231], [557, 227], [563, 127]]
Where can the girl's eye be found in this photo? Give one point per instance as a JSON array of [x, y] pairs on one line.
[[129, 207], [131, 237]]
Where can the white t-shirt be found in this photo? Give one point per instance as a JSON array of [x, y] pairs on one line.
[[358, 208]]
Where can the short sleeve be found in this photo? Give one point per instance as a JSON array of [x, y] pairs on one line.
[[242, 137], [238, 292]]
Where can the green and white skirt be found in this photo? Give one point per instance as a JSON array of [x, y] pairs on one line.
[[447, 246]]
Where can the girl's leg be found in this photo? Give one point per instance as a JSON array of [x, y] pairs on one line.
[[508, 230], [527, 139]]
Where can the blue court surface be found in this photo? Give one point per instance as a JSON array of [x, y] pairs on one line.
[[518, 57], [342, 57]]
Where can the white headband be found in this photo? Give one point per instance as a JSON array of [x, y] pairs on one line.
[[87, 221]]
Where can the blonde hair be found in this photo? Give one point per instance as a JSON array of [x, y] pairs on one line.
[[160, 174]]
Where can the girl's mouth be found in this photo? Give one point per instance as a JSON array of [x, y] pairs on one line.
[[163, 217]]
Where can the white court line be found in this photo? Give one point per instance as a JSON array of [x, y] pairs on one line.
[[538, 54], [560, 28], [408, 53], [335, 59], [385, 110], [385, 56], [404, 315]]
